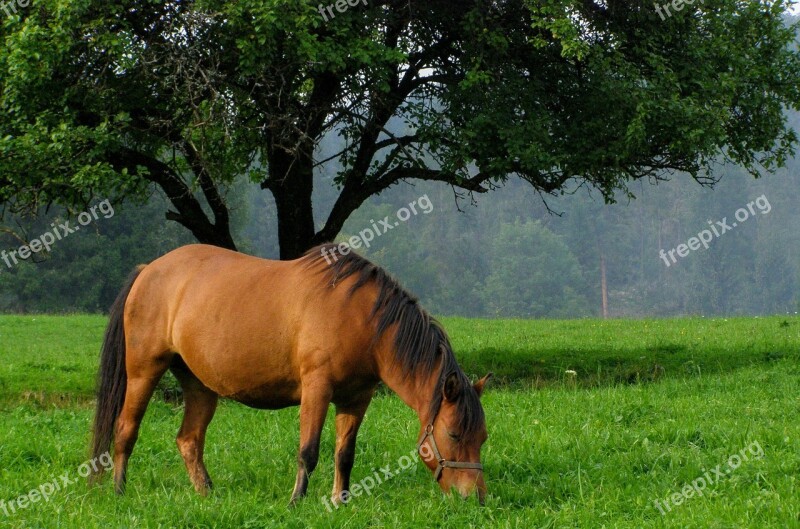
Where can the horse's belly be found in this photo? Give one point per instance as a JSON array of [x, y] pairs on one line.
[[256, 380], [270, 396]]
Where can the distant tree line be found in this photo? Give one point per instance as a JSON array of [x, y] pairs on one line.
[[507, 256]]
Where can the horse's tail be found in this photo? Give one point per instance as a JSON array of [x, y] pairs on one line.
[[112, 379]]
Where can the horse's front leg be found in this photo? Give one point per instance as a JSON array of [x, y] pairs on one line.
[[348, 420], [314, 403]]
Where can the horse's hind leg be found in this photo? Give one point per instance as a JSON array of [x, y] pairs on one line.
[[200, 405], [138, 392]]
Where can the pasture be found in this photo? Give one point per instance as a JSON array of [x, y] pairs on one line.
[[652, 406]]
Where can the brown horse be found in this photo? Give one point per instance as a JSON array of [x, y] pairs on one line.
[[272, 334]]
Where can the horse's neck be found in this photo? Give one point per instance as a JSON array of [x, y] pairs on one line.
[[415, 389]]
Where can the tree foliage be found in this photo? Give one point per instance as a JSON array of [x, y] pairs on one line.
[[111, 98]]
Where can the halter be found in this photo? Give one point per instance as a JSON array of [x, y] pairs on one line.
[[442, 463]]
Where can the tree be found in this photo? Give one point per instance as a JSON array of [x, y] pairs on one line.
[[528, 287], [83, 271], [111, 98]]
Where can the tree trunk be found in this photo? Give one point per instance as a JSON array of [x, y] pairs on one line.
[[291, 183]]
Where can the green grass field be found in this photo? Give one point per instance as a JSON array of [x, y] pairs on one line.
[[655, 405]]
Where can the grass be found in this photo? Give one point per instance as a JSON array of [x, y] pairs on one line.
[[654, 405]]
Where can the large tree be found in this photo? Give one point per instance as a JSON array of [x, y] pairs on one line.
[[114, 98]]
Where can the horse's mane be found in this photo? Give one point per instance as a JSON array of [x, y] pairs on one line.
[[420, 342]]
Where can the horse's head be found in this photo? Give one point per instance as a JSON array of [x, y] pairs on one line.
[[450, 446]]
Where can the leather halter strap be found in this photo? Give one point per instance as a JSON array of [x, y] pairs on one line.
[[442, 463]]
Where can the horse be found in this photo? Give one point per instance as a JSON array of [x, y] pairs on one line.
[[325, 328]]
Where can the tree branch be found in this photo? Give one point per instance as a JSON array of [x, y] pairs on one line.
[[189, 211]]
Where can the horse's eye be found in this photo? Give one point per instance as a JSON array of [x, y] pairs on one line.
[[453, 437]]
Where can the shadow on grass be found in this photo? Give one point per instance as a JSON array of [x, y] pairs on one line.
[[590, 368], [522, 355]]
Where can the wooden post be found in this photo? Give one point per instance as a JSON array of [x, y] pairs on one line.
[[603, 285]]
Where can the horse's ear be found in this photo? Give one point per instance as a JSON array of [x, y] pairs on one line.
[[479, 385], [452, 387]]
